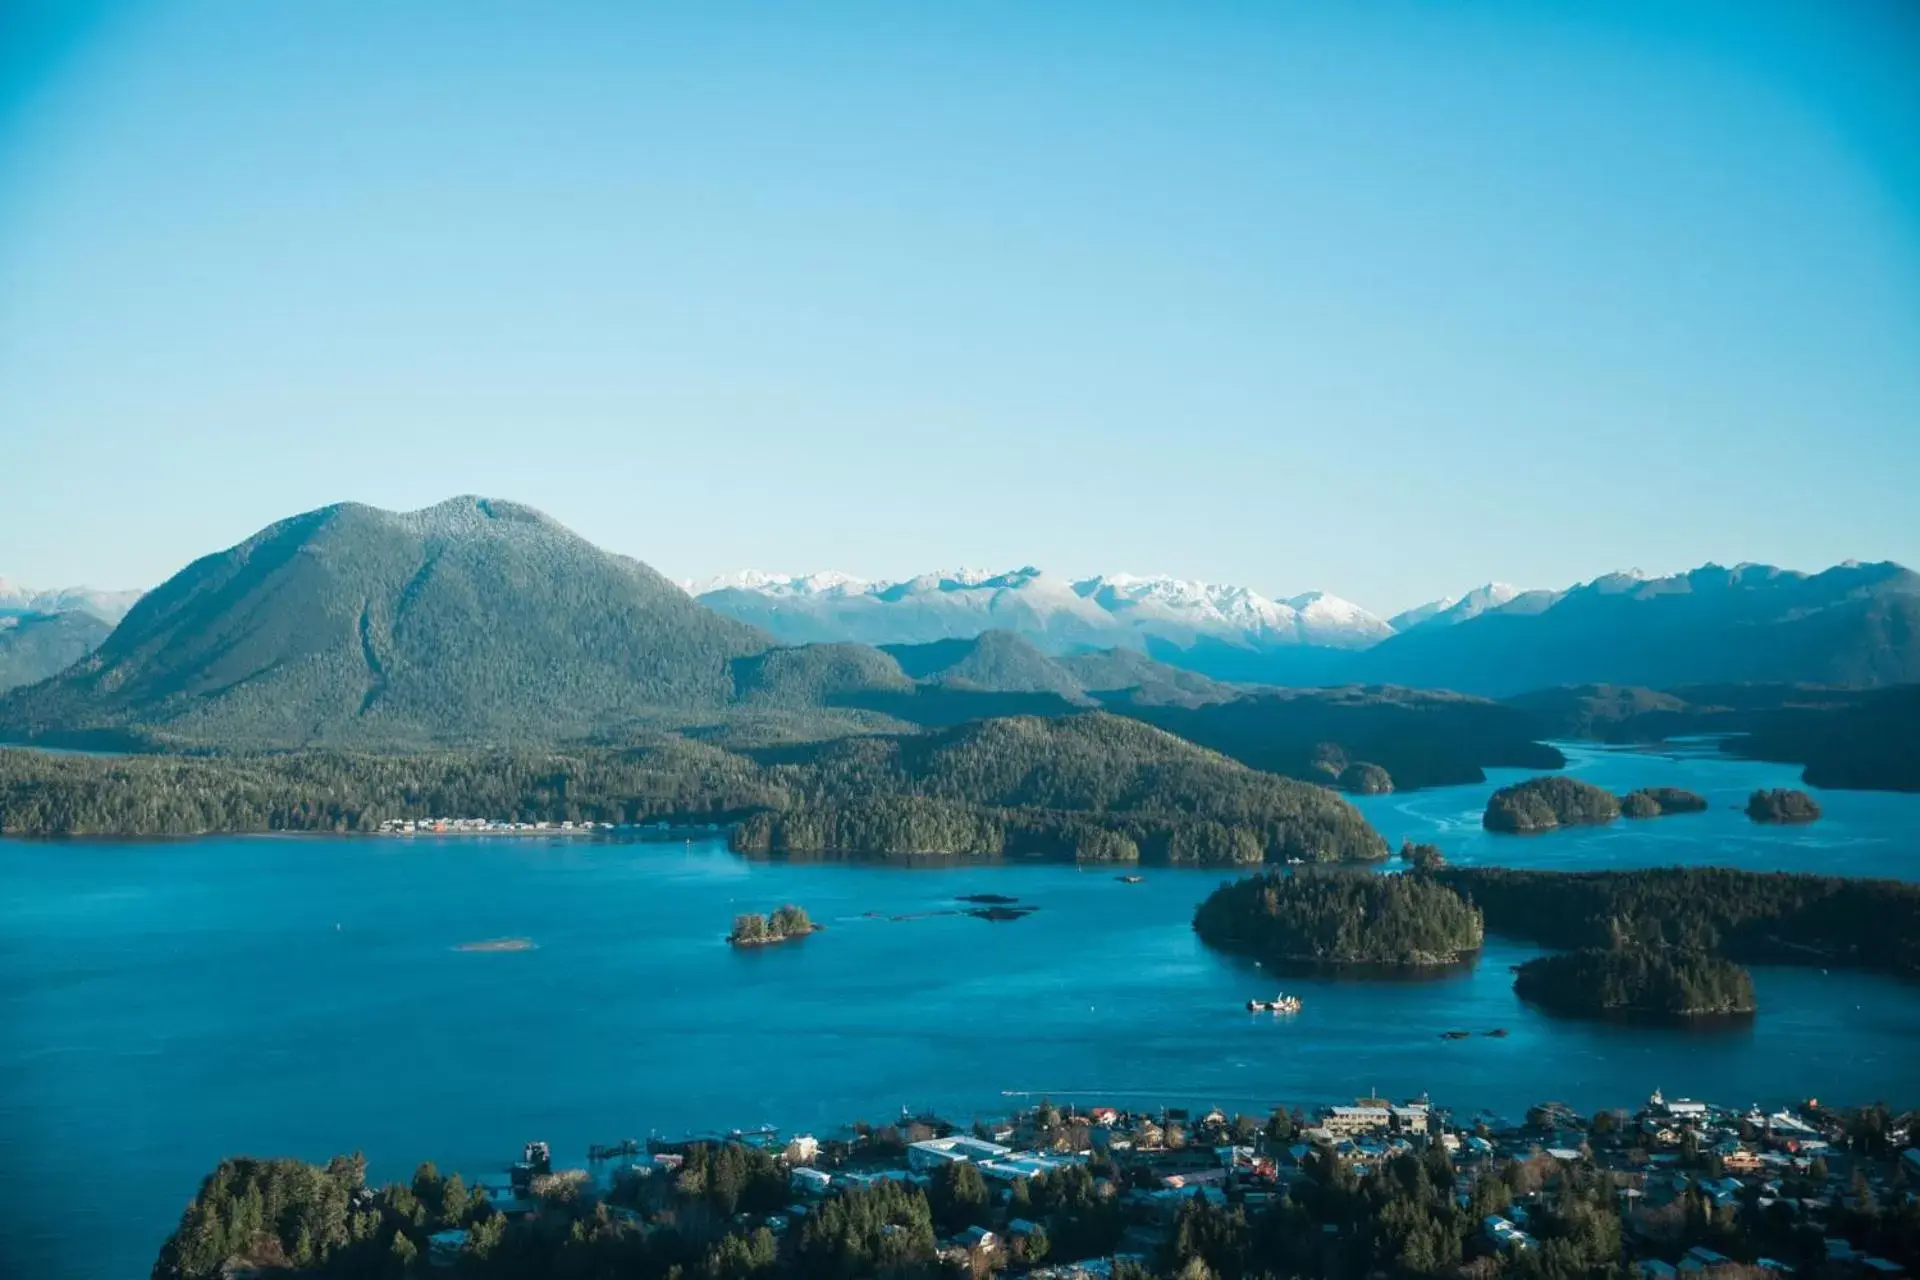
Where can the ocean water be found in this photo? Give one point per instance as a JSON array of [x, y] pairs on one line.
[[166, 1003]]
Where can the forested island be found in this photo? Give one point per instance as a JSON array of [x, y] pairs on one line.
[[1781, 804], [1091, 786], [1655, 802], [783, 925], [1746, 916], [1308, 918], [1541, 804], [1637, 982]]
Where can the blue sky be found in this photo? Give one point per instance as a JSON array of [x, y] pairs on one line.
[[1383, 299]]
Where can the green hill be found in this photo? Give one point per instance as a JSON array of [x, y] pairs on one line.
[[1420, 738], [1038, 784], [991, 662], [472, 620]]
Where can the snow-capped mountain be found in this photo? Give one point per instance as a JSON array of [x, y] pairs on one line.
[[1450, 610], [108, 606], [1056, 613]]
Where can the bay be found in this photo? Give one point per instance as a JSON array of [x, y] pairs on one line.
[[167, 1003]]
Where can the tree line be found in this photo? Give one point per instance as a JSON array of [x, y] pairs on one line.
[[1093, 786]]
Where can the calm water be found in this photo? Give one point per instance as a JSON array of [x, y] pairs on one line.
[[167, 1003]]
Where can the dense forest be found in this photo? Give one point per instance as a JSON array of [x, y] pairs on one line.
[[1334, 919], [1091, 786], [1872, 742], [672, 779], [1748, 916], [1780, 804], [1636, 981], [1541, 804], [1416, 738]]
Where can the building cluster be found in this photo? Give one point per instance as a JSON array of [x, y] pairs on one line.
[[1670, 1153], [486, 827], [567, 827]]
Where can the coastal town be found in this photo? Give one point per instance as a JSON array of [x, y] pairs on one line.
[[1065, 1192]]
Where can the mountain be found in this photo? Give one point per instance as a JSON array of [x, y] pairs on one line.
[[34, 646], [471, 620], [1120, 610], [1451, 610], [1853, 624], [108, 606]]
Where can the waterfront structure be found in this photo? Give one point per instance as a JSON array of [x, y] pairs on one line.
[[934, 1152]]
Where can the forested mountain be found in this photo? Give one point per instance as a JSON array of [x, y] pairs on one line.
[[34, 646], [469, 620], [1854, 624]]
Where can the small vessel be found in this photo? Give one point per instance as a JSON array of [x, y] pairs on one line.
[[1455, 1035], [1282, 1003], [1498, 1033], [1131, 879]]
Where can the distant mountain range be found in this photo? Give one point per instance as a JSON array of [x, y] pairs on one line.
[[45, 631], [108, 606], [1056, 613], [1854, 624]]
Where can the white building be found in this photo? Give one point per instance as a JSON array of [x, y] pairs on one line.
[[957, 1149]]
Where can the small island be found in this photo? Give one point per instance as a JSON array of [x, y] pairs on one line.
[[1541, 804], [1657, 802], [1366, 779], [1782, 805], [1319, 919], [784, 925], [1639, 983], [1422, 857]]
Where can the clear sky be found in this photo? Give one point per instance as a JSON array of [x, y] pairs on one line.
[[1384, 299]]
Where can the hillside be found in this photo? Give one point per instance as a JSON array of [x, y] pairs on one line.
[[1854, 624], [1421, 739], [1030, 784], [1870, 743], [993, 661], [470, 620], [37, 645]]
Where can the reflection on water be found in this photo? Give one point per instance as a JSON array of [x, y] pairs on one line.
[[168, 1004]]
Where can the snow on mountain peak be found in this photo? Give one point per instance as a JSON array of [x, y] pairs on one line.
[[1102, 611]]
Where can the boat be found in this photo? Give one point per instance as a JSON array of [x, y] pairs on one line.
[[1131, 879], [1455, 1035], [1498, 1033], [1282, 1003]]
